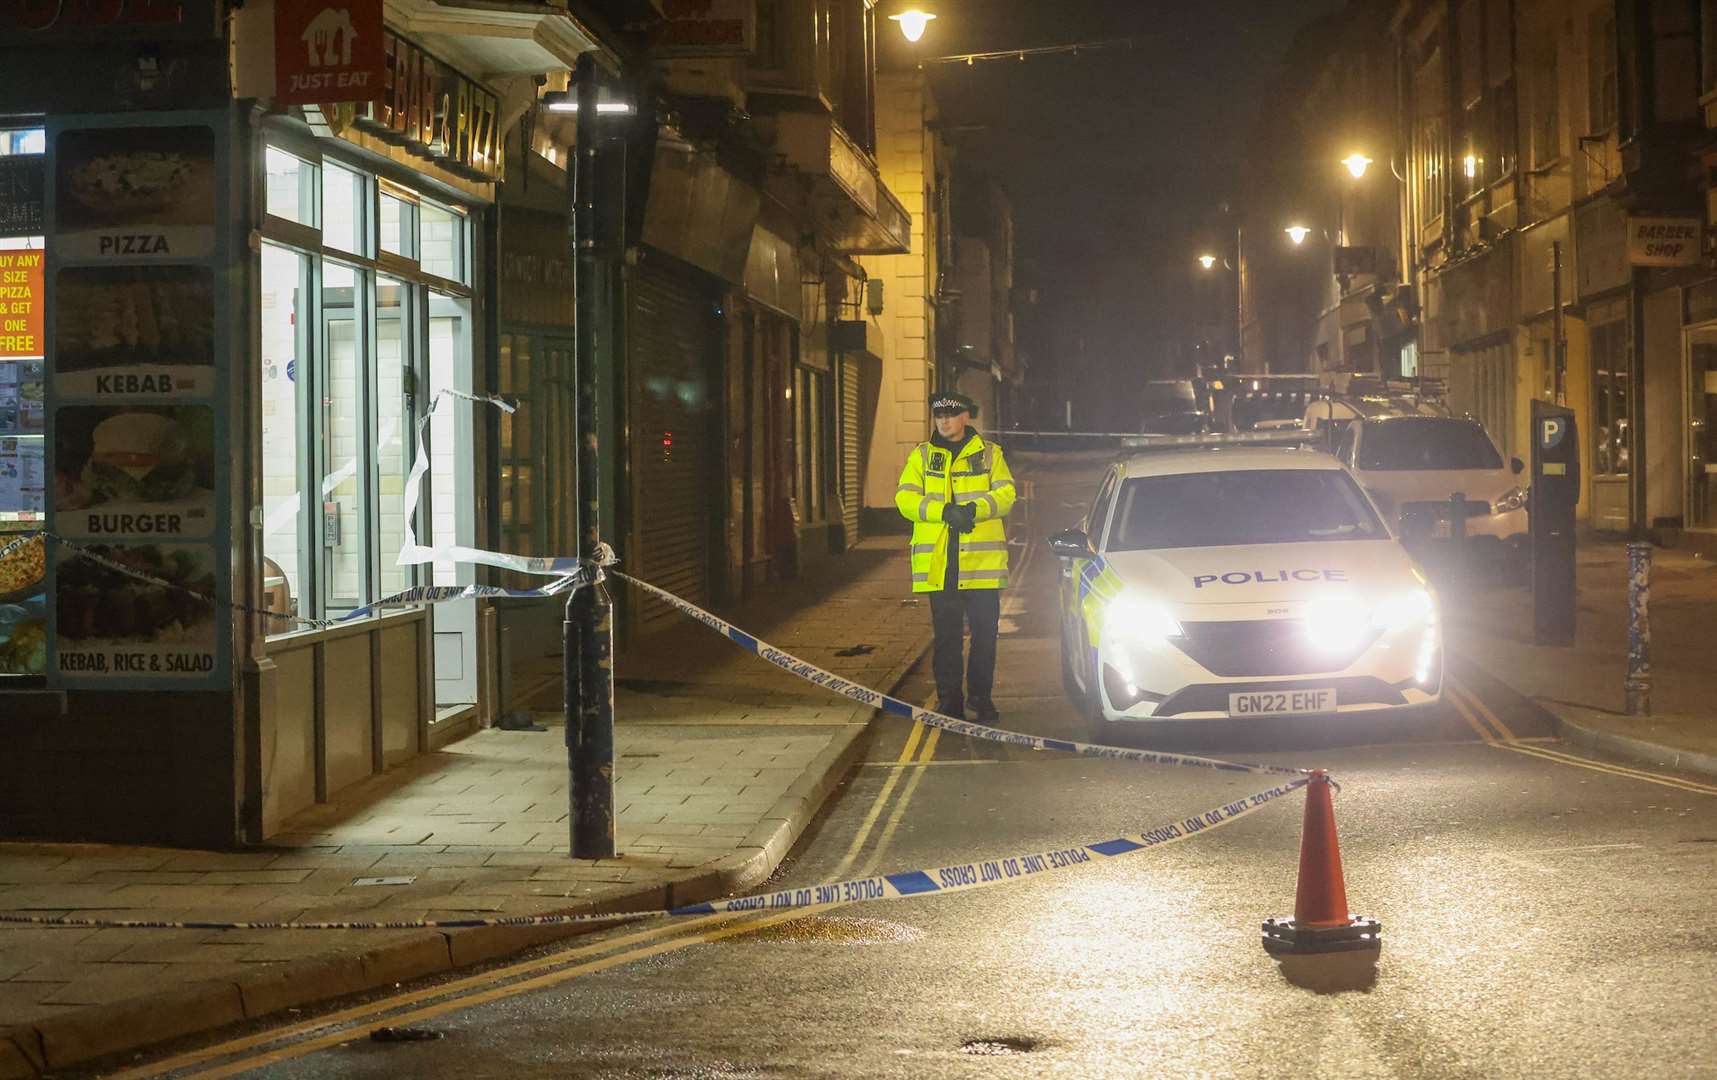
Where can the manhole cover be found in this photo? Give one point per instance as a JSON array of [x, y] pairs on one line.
[[998, 1046]]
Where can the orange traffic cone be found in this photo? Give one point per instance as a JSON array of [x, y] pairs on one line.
[[1321, 921]]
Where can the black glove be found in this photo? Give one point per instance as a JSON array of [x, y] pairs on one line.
[[961, 517]]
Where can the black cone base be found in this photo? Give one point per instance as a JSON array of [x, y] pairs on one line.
[[1282, 936]]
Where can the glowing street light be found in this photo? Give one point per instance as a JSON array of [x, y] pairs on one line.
[[1356, 163], [1207, 261], [1297, 233], [913, 22]]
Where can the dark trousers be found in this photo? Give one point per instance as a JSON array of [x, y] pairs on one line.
[[950, 613]]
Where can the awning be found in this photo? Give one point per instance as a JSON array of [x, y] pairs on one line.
[[856, 212], [491, 38]]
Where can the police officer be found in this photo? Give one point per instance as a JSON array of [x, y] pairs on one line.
[[956, 489]]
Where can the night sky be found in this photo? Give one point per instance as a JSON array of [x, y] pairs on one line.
[[1116, 160]]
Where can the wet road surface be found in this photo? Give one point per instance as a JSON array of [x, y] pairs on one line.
[[1544, 914]]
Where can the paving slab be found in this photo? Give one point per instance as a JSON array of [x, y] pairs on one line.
[[711, 796], [1581, 686]]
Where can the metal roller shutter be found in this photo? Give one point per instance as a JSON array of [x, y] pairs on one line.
[[672, 332], [852, 451]]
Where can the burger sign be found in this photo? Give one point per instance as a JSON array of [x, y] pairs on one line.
[[135, 472]]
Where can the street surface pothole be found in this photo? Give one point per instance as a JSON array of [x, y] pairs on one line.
[[834, 930], [998, 1046]]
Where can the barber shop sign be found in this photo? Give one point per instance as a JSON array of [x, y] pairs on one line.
[[1665, 241]]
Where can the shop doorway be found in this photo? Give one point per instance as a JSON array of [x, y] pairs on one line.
[[1701, 431], [452, 441]]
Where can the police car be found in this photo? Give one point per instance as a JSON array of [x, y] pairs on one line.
[[1243, 581]]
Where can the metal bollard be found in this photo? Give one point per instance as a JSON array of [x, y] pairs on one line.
[[1638, 682]]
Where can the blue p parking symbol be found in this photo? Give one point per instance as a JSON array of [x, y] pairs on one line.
[[1550, 434]]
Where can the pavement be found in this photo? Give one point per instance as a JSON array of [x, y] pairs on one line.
[[1581, 686], [722, 761]]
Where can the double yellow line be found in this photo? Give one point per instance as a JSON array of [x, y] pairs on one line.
[[347, 1025], [1495, 733], [298, 1040]]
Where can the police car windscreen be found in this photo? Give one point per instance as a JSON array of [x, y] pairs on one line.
[[1413, 443], [1220, 509]]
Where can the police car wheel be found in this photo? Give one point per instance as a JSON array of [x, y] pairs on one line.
[[1101, 729], [1069, 681]]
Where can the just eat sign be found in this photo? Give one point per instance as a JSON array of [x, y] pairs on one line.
[[328, 51]]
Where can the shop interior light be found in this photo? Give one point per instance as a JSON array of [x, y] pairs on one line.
[[912, 23]]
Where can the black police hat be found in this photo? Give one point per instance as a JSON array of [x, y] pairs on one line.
[[948, 403]]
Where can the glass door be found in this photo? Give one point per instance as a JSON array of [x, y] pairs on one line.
[[452, 496], [1702, 427], [340, 520], [396, 425]]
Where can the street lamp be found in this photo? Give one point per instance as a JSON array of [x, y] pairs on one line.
[[1356, 163], [1207, 261], [1297, 233], [913, 22]]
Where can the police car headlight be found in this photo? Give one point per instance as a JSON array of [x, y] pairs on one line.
[[1512, 499], [1337, 622], [1404, 609], [1135, 620]]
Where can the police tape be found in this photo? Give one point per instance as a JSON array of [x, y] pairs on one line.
[[413, 552], [589, 571], [901, 885], [894, 706], [18, 545], [414, 596]]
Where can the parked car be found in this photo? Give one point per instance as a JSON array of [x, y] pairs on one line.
[[1412, 466], [1174, 407], [1330, 415], [1269, 402]]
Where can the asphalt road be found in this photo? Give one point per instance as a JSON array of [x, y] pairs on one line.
[[1544, 915]]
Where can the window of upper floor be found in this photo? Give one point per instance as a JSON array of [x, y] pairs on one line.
[[1601, 74], [821, 49], [1486, 133], [1708, 47], [1542, 102], [1428, 173]]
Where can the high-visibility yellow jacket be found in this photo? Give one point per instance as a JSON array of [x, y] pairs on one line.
[[930, 481]]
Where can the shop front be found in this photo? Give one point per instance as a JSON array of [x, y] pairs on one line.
[[370, 325], [23, 449], [227, 335], [1699, 414]]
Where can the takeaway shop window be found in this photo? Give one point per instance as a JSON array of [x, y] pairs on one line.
[[290, 187], [352, 353], [399, 224], [23, 488], [344, 209]]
